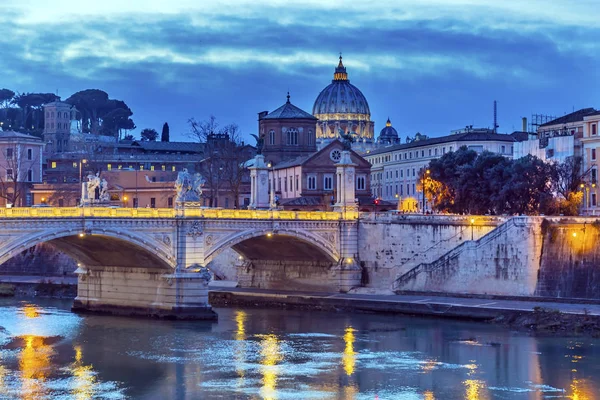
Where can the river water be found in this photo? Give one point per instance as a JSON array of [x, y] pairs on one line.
[[47, 352]]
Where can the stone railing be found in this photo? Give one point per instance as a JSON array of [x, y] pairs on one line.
[[209, 213], [479, 220]]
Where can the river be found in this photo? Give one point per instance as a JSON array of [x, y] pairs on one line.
[[47, 352]]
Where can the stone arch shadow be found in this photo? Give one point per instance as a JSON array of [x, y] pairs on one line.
[[285, 260], [251, 245], [103, 248]]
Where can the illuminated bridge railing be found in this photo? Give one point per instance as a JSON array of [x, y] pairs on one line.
[[211, 213]]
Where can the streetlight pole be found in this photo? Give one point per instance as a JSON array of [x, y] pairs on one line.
[[472, 224], [423, 183], [81, 162]]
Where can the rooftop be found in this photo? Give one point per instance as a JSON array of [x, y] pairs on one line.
[[461, 137], [18, 135], [289, 111], [572, 117]]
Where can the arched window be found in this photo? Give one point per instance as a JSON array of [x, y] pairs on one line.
[[271, 137], [292, 137], [311, 137]]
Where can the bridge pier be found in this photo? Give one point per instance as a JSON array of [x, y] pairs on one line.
[[144, 292]]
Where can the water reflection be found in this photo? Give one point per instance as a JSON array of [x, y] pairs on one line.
[[474, 388], [270, 351], [428, 395], [47, 352], [84, 377], [240, 346], [34, 364], [30, 311], [349, 357]]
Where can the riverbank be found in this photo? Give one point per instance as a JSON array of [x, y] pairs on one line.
[[36, 286], [538, 316], [541, 318]]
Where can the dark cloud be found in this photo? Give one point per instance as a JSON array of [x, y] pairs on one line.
[[427, 75]]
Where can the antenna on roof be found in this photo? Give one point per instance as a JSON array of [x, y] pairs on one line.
[[495, 117]]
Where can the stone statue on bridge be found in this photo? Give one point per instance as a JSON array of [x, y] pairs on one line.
[[104, 195], [188, 187], [93, 183]]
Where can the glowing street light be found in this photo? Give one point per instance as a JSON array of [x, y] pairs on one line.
[[472, 225]]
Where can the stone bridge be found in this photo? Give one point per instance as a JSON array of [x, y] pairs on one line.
[[150, 260]]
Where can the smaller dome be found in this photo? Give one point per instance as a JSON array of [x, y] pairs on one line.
[[388, 134]]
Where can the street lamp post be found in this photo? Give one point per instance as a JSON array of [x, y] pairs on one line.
[[472, 224], [81, 162], [423, 183]]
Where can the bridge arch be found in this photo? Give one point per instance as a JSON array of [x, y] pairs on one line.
[[280, 244], [105, 247]]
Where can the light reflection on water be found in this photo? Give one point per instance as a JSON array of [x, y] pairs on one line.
[[48, 352]]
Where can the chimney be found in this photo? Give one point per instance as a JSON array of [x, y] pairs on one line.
[[524, 124]]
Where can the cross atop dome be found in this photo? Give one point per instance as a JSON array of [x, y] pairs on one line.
[[340, 73], [288, 98]]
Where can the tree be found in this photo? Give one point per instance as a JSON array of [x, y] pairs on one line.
[[89, 103], [6, 96], [164, 137], [32, 115], [235, 160], [225, 157], [148, 135], [14, 170]]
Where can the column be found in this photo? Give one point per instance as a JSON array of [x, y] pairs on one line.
[[259, 189], [346, 186]]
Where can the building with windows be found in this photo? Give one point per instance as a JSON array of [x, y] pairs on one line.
[[590, 142], [20, 167], [341, 109], [60, 121], [558, 139], [287, 133], [309, 182], [396, 169]]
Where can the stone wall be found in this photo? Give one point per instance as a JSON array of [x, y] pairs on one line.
[[42, 259], [391, 245], [290, 275], [503, 262], [570, 264]]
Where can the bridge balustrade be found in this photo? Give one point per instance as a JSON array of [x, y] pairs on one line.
[[210, 213]]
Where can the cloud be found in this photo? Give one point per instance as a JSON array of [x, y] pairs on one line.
[[237, 52]]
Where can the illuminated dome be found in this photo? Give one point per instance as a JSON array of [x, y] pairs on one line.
[[388, 135], [342, 108]]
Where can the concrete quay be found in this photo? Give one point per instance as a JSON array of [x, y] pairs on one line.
[[426, 305]]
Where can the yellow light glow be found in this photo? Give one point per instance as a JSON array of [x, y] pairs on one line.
[[269, 234], [81, 234], [581, 389], [125, 198], [428, 171], [105, 212], [472, 221], [85, 378], [30, 311], [240, 345], [270, 350], [35, 366], [428, 395], [240, 320], [574, 234], [349, 260], [349, 357]]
